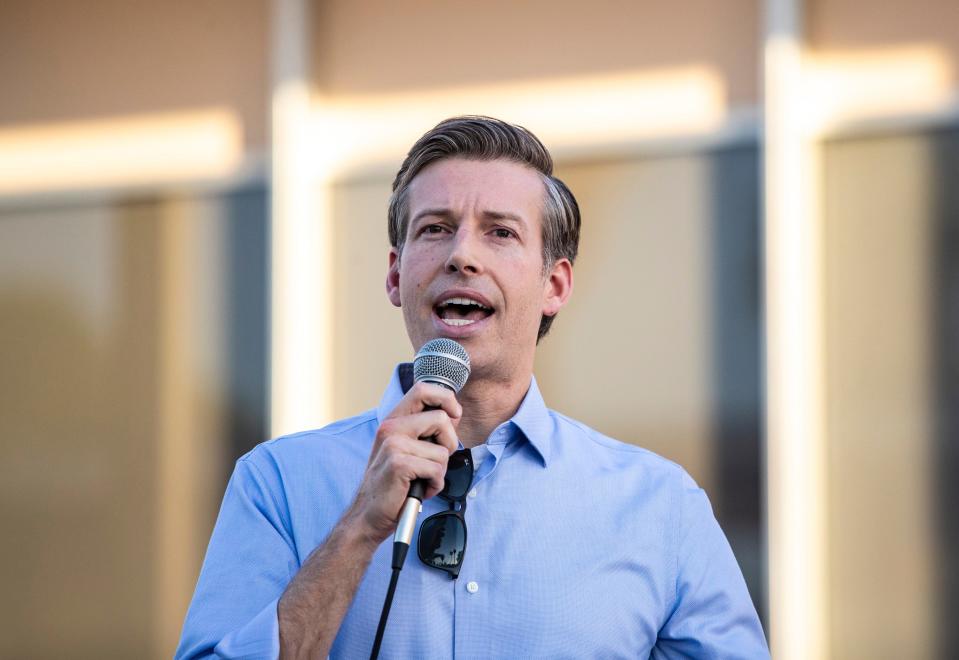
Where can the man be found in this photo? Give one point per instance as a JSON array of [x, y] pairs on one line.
[[579, 545]]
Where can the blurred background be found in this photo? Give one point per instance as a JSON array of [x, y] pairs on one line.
[[193, 249]]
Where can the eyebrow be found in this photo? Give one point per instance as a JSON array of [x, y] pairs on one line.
[[449, 215], [436, 213], [504, 215]]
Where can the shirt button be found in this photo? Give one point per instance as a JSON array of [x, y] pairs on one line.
[[472, 587], [473, 493]]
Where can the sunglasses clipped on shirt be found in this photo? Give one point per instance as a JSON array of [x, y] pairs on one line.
[[442, 539]]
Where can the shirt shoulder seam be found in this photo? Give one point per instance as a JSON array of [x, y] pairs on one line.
[[619, 446], [288, 533], [361, 419]]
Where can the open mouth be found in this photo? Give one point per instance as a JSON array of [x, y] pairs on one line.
[[461, 311]]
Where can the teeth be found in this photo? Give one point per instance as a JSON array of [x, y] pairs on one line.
[[463, 301], [457, 321]]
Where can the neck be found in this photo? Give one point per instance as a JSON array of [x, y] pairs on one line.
[[487, 403]]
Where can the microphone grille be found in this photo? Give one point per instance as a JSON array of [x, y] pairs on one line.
[[442, 361]]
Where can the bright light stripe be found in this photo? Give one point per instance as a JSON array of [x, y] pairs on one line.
[[795, 484], [869, 86], [122, 151], [577, 115], [301, 270]]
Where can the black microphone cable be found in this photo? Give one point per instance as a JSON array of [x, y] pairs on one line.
[[380, 629], [399, 558]]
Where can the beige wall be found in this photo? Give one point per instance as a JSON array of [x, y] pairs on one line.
[[381, 46], [117, 417], [65, 61], [842, 24], [79, 427], [631, 354], [880, 296], [369, 337]]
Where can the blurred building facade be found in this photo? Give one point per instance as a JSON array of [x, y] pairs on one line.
[[193, 249]]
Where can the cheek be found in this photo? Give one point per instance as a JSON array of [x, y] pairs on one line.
[[529, 298], [416, 275], [415, 278]]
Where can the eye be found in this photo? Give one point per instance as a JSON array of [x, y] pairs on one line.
[[433, 229], [502, 232]]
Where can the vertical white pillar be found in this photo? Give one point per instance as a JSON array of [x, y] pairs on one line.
[[795, 460], [300, 392]]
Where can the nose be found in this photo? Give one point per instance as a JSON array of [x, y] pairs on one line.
[[463, 254]]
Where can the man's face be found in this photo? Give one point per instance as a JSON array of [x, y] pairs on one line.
[[472, 264]]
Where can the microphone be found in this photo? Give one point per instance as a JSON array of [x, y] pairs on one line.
[[443, 362], [446, 363]]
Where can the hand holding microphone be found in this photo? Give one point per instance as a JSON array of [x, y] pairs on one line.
[[399, 457], [443, 363]]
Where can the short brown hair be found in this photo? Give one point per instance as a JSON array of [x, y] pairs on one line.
[[484, 138]]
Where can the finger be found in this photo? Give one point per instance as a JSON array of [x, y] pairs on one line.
[[408, 467], [399, 445], [428, 395], [431, 492], [439, 454], [433, 424]]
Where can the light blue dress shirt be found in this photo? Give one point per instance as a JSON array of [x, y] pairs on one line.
[[579, 546]]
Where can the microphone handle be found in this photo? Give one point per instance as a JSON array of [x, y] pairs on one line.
[[417, 489]]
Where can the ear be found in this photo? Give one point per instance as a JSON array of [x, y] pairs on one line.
[[557, 287], [393, 278]]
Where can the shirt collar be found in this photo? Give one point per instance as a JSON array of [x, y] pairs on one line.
[[395, 390], [534, 421], [532, 418]]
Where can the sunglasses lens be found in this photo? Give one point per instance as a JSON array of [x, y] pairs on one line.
[[459, 474], [442, 541]]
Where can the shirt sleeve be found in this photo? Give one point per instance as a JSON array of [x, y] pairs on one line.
[[713, 616], [250, 560]]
